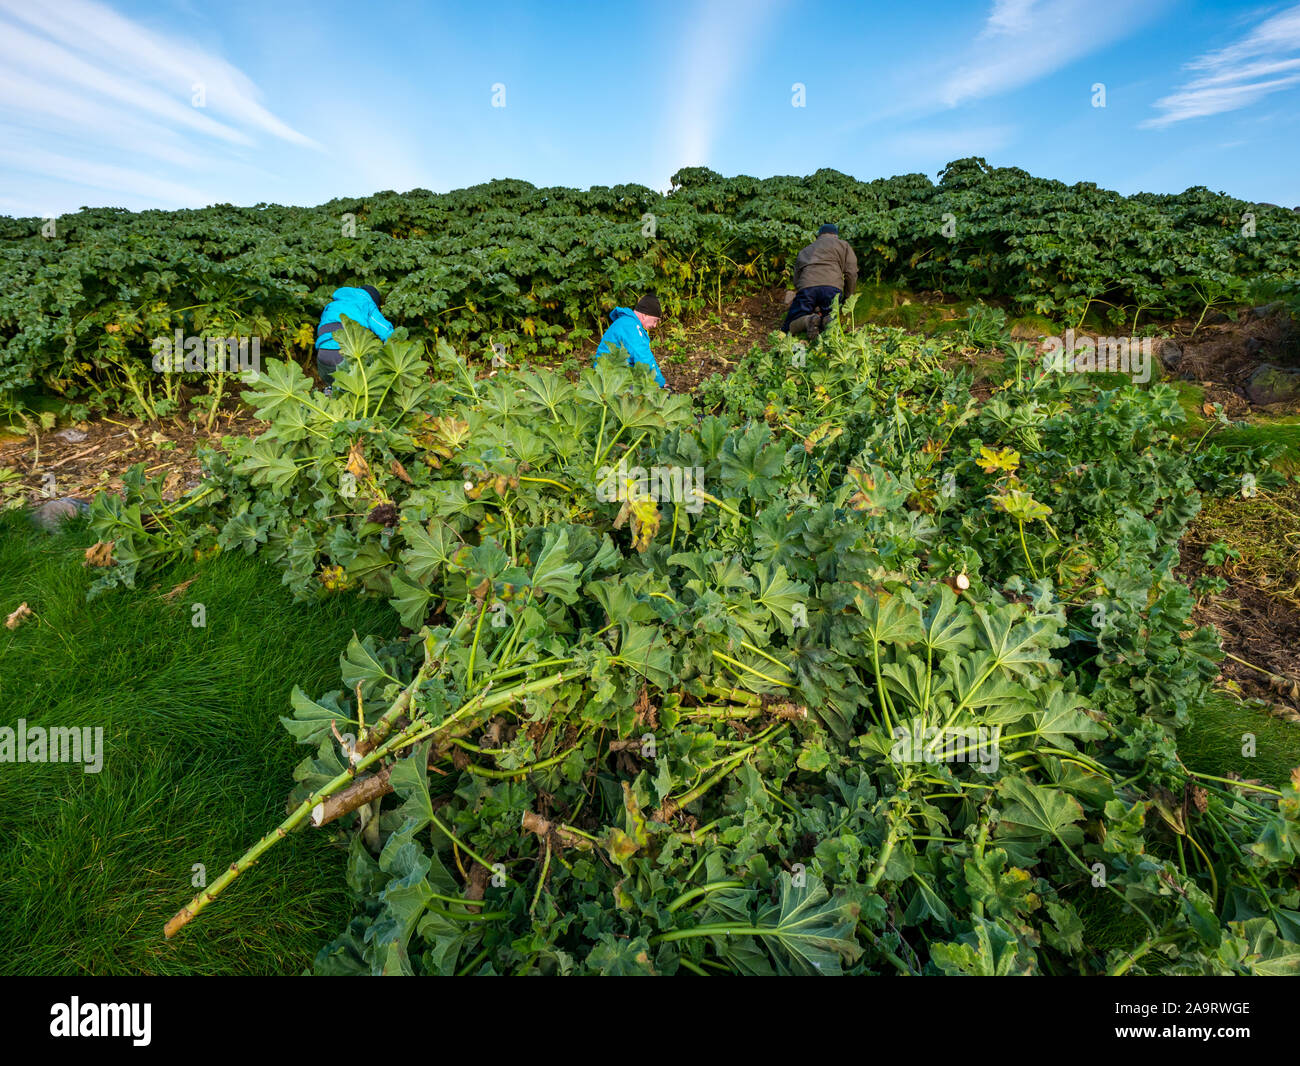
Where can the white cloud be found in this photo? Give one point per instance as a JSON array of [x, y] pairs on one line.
[[115, 41], [1024, 40], [53, 69], [106, 176], [720, 38], [1010, 16], [1263, 62], [91, 92]]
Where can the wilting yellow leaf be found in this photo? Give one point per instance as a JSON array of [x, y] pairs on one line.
[[100, 554], [357, 465], [823, 434]]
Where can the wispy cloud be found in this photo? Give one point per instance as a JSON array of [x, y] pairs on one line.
[[1021, 41], [1010, 16], [115, 88], [1263, 62], [107, 176], [721, 37]]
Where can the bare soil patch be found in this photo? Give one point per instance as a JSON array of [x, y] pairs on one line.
[[1258, 614], [92, 456]]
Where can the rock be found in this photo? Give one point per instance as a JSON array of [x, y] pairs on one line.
[[1170, 354], [1254, 345], [1273, 384], [72, 436], [1216, 318], [51, 513], [1265, 310]]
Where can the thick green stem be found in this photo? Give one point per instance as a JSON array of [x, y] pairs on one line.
[[750, 669], [879, 945], [209, 894], [412, 734], [671, 806], [703, 890], [891, 841], [1025, 548], [733, 695], [702, 495]]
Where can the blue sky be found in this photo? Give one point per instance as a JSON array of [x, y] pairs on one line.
[[300, 103]]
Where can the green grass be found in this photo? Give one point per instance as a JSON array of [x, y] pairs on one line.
[[1212, 743], [196, 766], [885, 304], [1035, 324], [888, 305], [1283, 430]]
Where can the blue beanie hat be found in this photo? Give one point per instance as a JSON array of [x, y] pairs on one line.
[[828, 228]]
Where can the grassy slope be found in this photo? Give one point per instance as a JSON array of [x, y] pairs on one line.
[[196, 765]]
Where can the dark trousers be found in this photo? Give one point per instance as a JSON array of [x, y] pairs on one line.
[[327, 361], [806, 301]]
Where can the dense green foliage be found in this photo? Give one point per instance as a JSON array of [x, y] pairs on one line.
[[536, 269], [639, 735]]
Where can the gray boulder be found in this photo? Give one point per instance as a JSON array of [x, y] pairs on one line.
[[1273, 384], [1170, 354], [52, 513]]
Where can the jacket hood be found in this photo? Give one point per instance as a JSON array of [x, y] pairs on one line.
[[351, 294], [622, 312]]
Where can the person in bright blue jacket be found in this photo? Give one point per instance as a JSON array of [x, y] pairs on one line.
[[629, 329], [361, 305]]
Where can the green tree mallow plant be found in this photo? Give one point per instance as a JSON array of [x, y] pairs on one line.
[[892, 687], [537, 270]]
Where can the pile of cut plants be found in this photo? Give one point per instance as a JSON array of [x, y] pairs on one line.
[[830, 669]]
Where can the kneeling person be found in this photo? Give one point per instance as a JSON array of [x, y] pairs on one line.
[[361, 305], [629, 329], [825, 269]]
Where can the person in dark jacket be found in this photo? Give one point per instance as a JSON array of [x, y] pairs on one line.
[[629, 331], [825, 269], [361, 305]]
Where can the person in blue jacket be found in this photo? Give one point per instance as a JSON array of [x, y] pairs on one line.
[[629, 329], [361, 305]]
